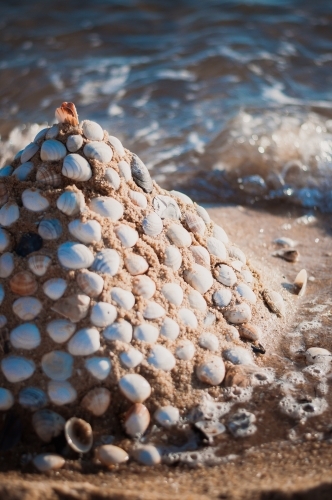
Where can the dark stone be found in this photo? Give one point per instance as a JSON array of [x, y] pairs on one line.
[[11, 432], [29, 242]]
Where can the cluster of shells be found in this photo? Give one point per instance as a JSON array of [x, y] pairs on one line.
[[113, 292]]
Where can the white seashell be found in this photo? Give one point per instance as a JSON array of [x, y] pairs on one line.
[[41, 134], [4, 240], [203, 213], [211, 371], [246, 292], [183, 197], [103, 314], [167, 416], [74, 255], [45, 462], [222, 297], [117, 145], [173, 293], [232, 334], [60, 330], [122, 331], [32, 398], [6, 265], [39, 264], [85, 342], [52, 150], [136, 264], [144, 286], [238, 314], [33, 200], [316, 355], [153, 310], [135, 387], [179, 236], [188, 317], [74, 143], [86, 232], [275, 302], [25, 336], [78, 434], [161, 358], [110, 455], [57, 365], [138, 199], [71, 202], [17, 368], [300, 282], [23, 171], [6, 171], [123, 298], [237, 254], [18, 154], [216, 248], [195, 223], [173, 258], [9, 214], [201, 256], [238, 356], [220, 234], [75, 307], [90, 283], [237, 265], [197, 301], [61, 393], [113, 178], [146, 333], [147, 455], [251, 332], [98, 151], [124, 170], [166, 207], [6, 399], [76, 167], [107, 207], [50, 229], [209, 341], [27, 308], [141, 174], [99, 368], [185, 350], [3, 320], [170, 329], [226, 275], [92, 131], [97, 401], [247, 276], [152, 224], [2, 293], [55, 288], [29, 151], [47, 424], [199, 278], [52, 132], [106, 262], [137, 420], [209, 319], [131, 358], [127, 235]]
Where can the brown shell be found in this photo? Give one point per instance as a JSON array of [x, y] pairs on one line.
[[39, 264], [23, 283], [48, 177], [195, 223], [97, 401]]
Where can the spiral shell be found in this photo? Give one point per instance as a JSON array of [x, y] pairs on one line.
[[23, 283], [77, 168], [97, 401], [52, 150]]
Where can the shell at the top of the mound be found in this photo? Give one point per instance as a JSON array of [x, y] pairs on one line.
[[113, 292]]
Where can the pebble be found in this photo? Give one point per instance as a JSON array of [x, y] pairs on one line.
[[147, 455]]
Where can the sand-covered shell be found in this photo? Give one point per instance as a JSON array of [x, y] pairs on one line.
[[74, 143], [201, 256], [209, 341], [97, 401], [113, 178], [179, 236], [52, 150], [173, 293], [39, 264], [166, 207], [135, 387], [50, 229], [173, 257], [98, 151], [127, 235], [86, 232], [117, 145], [152, 224], [78, 434], [48, 177], [123, 298], [74, 255], [71, 202], [138, 198], [185, 350], [107, 207], [6, 264], [197, 301], [144, 286], [92, 130], [47, 424], [199, 278], [34, 200], [76, 167], [226, 275], [141, 174], [136, 264], [90, 283], [240, 313], [124, 170], [195, 223]]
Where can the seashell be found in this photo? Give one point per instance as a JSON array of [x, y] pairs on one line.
[[135, 387], [173, 258], [57, 365], [103, 314], [195, 223], [41, 134], [222, 297], [238, 356], [74, 143], [183, 197], [179, 236], [86, 232], [86, 341], [3, 320], [25, 336], [117, 145], [52, 132], [152, 224], [2, 293], [211, 371], [74, 255], [23, 283], [251, 332], [166, 207], [141, 174], [71, 202], [99, 368], [316, 355], [6, 265], [144, 286], [52, 150], [203, 213], [127, 235], [61, 393], [153, 310], [106, 262], [27, 308], [33, 200], [138, 199], [210, 428], [136, 264], [18, 154], [220, 234], [188, 317], [170, 329], [39, 264], [209, 341], [67, 114], [232, 335], [201, 256], [32, 398], [3, 194], [300, 282], [76, 167], [107, 207], [173, 293], [112, 177], [216, 248], [92, 131], [45, 462], [137, 420], [236, 253], [292, 255], [210, 319], [90, 283], [6, 399], [238, 314], [199, 278], [167, 416], [275, 302], [131, 358], [23, 171], [6, 171], [185, 350], [17, 368], [123, 298], [9, 214], [124, 170], [122, 331], [161, 358], [237, 265], [246, 292], [110, 455], [48, 177], [29, 151], [78, 434], [47, 424], [247, 276], [60, 330], [146, 333], [226, 275], [97, 401], [147, 455], [98, 151], [285, 242], [197, 301], [50, 229], [74, 307], [4, 240]]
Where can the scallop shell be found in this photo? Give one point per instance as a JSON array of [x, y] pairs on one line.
[[220, 234], [153, 310], [23, 283], [77, 168], [3, 194], [110, 455], [141, 174], [123, 298], [74, 143], [99, 368], [52, 150], [52, 132], [203, 213], [55, 288], [127, 235], [39, 264], [9, 214], [201, 256], [144, 286], [236, 253], [103, 314], [92, 131], [33, 200], [50, 229], [183, 197], [48, 177], [199, 278], [113, 178], [238, 314], [60, 330], [23, 171], [61, 393], [138, 199], [197, 301], [6, 399], [161, 358], [211, 371], [86, 232], [47, 424], [188, 317], [226, 275], [16, 368], [166, 207], [124, 170], [216, 248], [300, 282], [74, 307], [78, 434], [117, 145], [90, 283], [97, 401], [74, 255], [246, 293], [146, 333], [137, 420], [71, 202], [136, 264], [222, 297], [179, 236], [152, 225], [6, 171], [41, 134], [107, 207], [185, 350], [170, 329], [173, 258], [131, 358], [25, 336], [173, 293], [135, 387], [98, 151], [29, 151], [27, 308], [167, 416], [195, 223], [275, 302], [6, 265], [32, 398], [209, 341], [237, 265], [45, 462], [122, 331], [106, 262], [85, 342], [4, 240]]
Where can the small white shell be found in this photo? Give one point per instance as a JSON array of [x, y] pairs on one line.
[[106, 262], [25, 336], [179, 236], [123, 298], [107, 207], [29, 151], [247, 276], [74, 143], [27, 308], [173, 293], [137, 420], [170, 329], [99, 368], [188, 317], [4, 240], [203, 213], [199, 278], [33, 200], [76, 167], [92, 131], [103, 314], [183, 197], [195, 223], [246, 292], [211, 371], [50, 229], [109, 455], [52, 132], [71, 202], [216, 248], [23, 171], [6, 171], [166, 207], [173, 258], [60, 330], [237, 265], [48, 461], [55, 288], [138, 199], [90, 283], [144, 286], [152, 224], [98, 151], [57, 365], [78, 434], [52, 150], [6, 399], [209, 319], [131, 358], [236, 253], [220, 234], [161, 358], [9, 214], [226, 275], [39, 264], [185, 350], [167, 416], [117, 145], [146, 333], [238, 314], [153, 310], [232, 334], [135, 387], [300, 282], [238, 356], [127, 235], [113, 178], [222, 297], [124, 170], [86, 232], [147, 455], [86, 341], [61, 393], [197, 301], [122, 331], [6, 265], [209, 341], [32, 398], [74, 255], [17, 368], [201, 256], [136, 264], [47, 424], [97, 401]]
